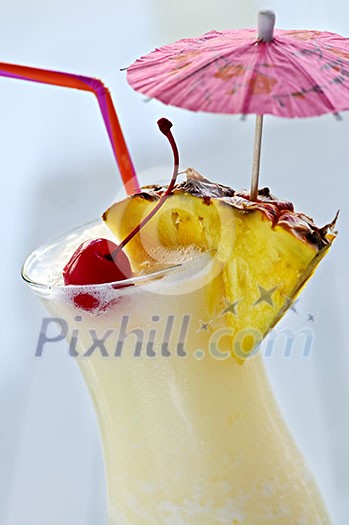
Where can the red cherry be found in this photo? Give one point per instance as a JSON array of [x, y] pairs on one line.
[[95, 262], [86, 301], [101, 261]]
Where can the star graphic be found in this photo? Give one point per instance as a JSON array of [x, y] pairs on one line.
[[230, 307], [291, 304], [204, 326], [265, 295], [311, 318]]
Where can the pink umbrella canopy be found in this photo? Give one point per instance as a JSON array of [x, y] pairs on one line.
[[295, 74], [298, 73]]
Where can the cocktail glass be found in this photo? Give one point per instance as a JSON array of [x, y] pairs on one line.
[[190, 435]]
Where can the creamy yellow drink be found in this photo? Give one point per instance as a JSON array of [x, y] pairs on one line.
[[190, 430]]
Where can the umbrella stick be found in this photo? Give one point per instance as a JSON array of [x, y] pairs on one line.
[[256, 157]]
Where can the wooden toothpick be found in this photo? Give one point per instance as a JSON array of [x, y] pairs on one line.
[[256, 157]]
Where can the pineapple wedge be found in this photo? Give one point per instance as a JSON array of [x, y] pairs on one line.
[[266, 251]]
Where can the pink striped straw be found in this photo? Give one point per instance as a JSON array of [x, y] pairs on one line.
[[106, 105]]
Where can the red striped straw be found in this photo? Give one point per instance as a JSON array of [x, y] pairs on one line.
[[106, 105]]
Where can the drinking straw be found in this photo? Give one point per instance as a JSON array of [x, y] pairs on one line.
[[105, 102]]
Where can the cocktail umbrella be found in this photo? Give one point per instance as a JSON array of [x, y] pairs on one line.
[[299, 73]]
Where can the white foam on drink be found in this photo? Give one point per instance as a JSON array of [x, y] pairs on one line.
[[173, 272]]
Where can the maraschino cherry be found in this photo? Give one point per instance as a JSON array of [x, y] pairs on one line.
[[100, 261], [94, 263]]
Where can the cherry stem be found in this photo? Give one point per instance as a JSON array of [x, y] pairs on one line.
[[165, 127]]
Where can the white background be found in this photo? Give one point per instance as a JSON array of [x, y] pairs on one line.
[[57, 170]]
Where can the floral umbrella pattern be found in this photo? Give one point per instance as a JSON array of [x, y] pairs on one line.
[[298, 74]]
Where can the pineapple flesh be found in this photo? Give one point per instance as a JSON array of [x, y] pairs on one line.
[[265, 250]]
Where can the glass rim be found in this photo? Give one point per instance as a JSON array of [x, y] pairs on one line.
[[46, 246]]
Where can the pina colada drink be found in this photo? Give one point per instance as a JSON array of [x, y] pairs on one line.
[[165, 328], [190, 429]]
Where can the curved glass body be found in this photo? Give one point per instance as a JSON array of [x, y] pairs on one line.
[[190, 435]]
